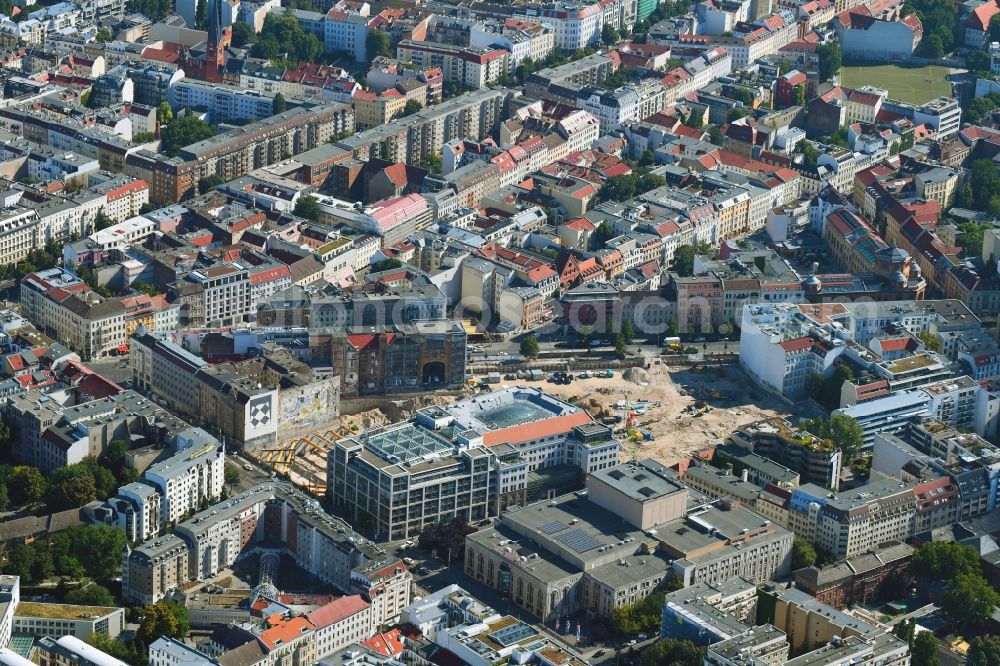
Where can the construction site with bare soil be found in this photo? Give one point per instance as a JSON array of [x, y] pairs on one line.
[[671, 413], [664, 413]]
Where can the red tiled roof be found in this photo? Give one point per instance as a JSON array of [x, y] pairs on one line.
[[580, 224], [286, 632], [798, 344], [338, 610], [897, 344], [980, 17], [389, 644], [396, 173], [270, 275]]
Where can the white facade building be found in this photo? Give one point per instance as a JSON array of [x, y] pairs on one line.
[[190, 478]]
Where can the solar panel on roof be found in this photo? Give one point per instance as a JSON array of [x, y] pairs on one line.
[[579, 540], [553, 527]]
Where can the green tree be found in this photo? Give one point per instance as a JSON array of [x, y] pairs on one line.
[[826, 391], [91, 595], [972, 237], [932, 46], [673, 328], [386, 265], [924, 652], [602, 234], [648, 182], [904, 630], [26, 485], [432, 163], [829, 60], [278, 104], [6, 437], [201, 15], [446, 539], [94, 550], [842, 430], [162, 619], [209, 183], [930, 341], [307, 207], [114, 455], [984, 651], [377, 44], [156, 10], [969, 599], [846, 434], [283, 42], [736, 113], [939, 560], [643, 615], [684, 260], [102, 220], [979, 60], [243, 34], [525, 69], [105, 483], [609, 35], [412, 106], [621, 348], [20, 561], [803, 554], [695, 120], [939, 22], [183, 132], [126, 651], [809, 154], [628, 330], [985, 186], [529, 346], [164, 113], [43, 568], [618, 188], [103, 36], [232, 475], [799, 98], [672, 652], [70, 487]]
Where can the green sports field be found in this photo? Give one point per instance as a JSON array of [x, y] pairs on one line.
[[915, 85]]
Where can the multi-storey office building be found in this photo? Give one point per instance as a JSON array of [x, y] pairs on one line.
[[614, 544], [469, 460]]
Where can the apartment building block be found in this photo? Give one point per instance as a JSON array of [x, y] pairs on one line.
[[467, 66], [271, 513], [239, 151]]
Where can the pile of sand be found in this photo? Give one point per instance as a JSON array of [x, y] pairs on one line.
[[373, 418], [636, 376]]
